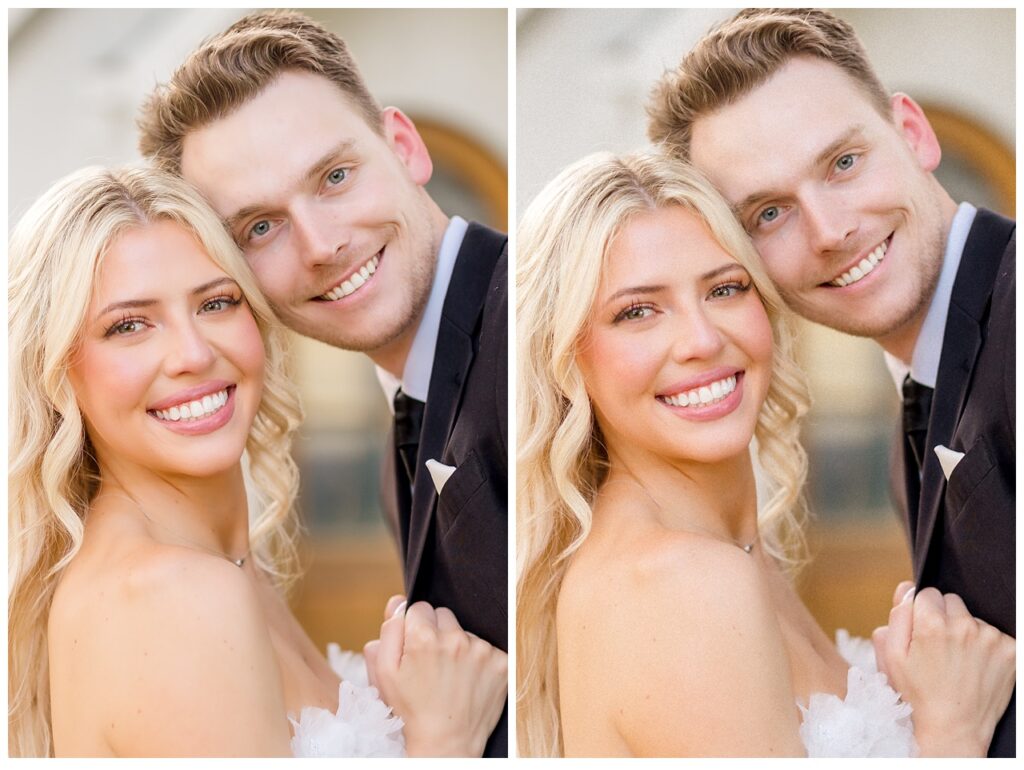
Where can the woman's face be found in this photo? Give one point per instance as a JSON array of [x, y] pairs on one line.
[[677, 356], [169, 369]]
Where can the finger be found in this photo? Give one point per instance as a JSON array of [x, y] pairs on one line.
[[371, 651], [392, 641], [955, 607], [901, 626], [880, 640], [421, 614], [929, 609], [901, 591], [446, 620], [392, 605]]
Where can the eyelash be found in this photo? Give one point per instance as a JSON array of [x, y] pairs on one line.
[[739, 286], [112, 330], [623, 314]]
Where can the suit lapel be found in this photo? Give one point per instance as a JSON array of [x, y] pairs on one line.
[[962, 341], [456, 346]]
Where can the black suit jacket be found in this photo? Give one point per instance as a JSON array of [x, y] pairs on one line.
[[455, 545], [962, 532]]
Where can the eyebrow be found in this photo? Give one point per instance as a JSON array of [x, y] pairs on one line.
[[134, 303], [654, 289], [344, 147], [845, 138]]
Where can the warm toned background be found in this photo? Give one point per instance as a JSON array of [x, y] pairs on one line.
[[76, 79], [582, 80]]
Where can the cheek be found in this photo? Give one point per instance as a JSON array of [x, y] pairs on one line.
[[249, 352], [756, 341], [617, 368]]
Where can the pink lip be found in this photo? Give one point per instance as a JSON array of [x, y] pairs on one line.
[[705, 378], [206, 424], [380, 258], [191, 394], [707, 413]]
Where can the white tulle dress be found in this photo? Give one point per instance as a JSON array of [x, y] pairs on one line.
[[871, 721], [363, 725]]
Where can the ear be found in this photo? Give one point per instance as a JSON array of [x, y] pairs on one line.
[[911, 122], [405, 142]]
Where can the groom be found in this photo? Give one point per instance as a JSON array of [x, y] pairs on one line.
[[832, 177], [324, 192]]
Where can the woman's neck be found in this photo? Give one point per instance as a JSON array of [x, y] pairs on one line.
[[208, 513], [714, 498]]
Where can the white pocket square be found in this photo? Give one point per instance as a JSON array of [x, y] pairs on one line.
[[948, 459], [440, 473]]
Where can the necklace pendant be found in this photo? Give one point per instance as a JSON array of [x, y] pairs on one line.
[[748, 548], [239, 562]]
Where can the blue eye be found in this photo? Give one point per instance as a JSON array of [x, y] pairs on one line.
[[260, 228], [337, 176], [846, 162], [769, 214]]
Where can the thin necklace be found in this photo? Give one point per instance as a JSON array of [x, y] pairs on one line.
[[239, 562], [745, 547]]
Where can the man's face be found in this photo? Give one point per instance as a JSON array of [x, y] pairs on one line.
[[331, 215], [840, 202]]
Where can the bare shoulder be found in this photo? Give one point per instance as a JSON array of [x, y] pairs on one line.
[[176, 642], [693, 650]]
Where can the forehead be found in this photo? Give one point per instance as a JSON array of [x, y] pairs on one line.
[[773, 133], [157, 255], [669, 243], [270, 142]]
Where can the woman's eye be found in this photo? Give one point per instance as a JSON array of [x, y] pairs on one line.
[[728, 290], [337, 176], [218, 304], [846, 162], [123, 327], [768, 215], [635, 313]]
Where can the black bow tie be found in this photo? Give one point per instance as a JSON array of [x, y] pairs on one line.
[[408, 425], [917, 410]]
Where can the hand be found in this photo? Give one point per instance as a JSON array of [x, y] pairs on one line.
[[447, 685], [955, 670]]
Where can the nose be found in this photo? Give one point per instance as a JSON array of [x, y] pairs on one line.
[[697, 337], [830, 221], [190, 350], [318, 237]]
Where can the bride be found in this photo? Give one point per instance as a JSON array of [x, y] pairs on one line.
[[146, 607], [656, 614]]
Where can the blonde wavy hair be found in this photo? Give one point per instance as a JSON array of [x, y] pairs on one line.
[[563, 243], [54, 256]]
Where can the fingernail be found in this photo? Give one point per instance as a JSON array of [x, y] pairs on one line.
[[908, 595], [399, 610]]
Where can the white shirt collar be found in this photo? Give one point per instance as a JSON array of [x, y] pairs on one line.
[[419, 365], [924, 362]]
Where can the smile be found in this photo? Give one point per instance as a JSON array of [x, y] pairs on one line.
[[864, 267], [194, 410], [704, 396], [355, 281]]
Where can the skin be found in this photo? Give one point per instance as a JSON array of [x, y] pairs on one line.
[[309, 217], [819, 179], [660, 584], [133, 617]]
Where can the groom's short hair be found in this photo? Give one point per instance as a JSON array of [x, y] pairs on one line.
[[741, 54], [230, 68]]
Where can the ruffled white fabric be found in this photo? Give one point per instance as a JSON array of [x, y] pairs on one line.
[[871, 721], [363, 726]]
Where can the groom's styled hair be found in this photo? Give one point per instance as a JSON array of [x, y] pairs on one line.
[[230, 68], [741, 54]]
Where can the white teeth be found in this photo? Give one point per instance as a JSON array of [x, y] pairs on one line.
[[194, 409], [705, 395], [354, 281], [862, 268]]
